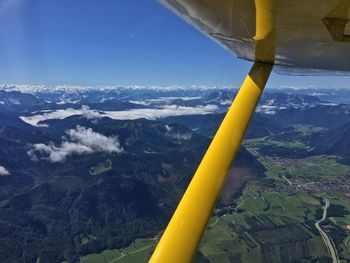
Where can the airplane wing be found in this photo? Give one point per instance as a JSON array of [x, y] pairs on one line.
[[311, 37]]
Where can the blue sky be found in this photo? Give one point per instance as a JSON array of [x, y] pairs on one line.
[[116, 42]]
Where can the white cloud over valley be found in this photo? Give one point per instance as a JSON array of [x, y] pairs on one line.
[[132, 114], [77, 141], [57, 114], [166, 111]]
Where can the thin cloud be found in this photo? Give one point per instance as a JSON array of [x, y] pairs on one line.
[[77, 141]]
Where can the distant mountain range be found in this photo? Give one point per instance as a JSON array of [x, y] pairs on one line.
[[19, 102], [328, 116], [122, 100], [66, 93]]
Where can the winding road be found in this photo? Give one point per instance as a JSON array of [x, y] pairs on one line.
[[328, 242], [215, 222], [130, 253]]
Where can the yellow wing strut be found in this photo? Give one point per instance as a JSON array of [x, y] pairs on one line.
[[184, 232]]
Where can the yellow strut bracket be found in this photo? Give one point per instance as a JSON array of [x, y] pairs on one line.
[[181, 238]]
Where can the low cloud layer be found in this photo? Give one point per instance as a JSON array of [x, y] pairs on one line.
[[3, 171], [78, 141], [58, 114], [167, 111], [132, 114]]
